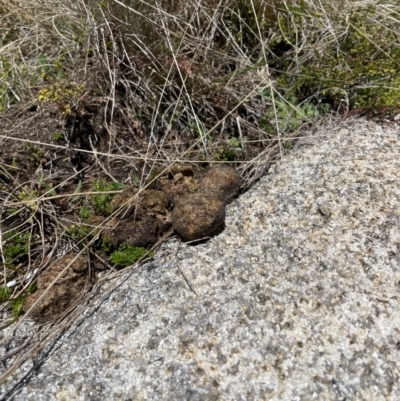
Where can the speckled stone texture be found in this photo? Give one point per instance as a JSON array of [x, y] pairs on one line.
[[297, 299]]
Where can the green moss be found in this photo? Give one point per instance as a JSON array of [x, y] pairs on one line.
[[78, 231], [17, 245], [35, 155], [105, 243], [85, 213], [102, 203], [5, 293], [16, 306], [225, 153], [58, 136], [29, 197], [64, 94], [32, 287], [127, 255]]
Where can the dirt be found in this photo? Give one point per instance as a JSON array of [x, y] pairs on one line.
[[64, 293], [200, 214], [44, 152], [222, 182]]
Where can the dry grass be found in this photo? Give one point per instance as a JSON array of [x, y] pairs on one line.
[[121, 91]]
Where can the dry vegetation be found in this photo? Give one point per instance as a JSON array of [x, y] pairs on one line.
[[99, 97]]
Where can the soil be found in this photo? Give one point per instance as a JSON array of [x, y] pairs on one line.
[[45, 155], [196, 210], [63, 294]]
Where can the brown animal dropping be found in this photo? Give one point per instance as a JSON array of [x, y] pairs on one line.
[[222, 182], [198, 216], [202, 214]]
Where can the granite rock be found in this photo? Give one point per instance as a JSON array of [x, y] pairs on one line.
[[297, 299]]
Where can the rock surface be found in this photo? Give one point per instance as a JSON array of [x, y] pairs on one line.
[[298, 298]]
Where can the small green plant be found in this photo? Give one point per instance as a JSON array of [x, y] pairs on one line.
[[105, 243], [32, 287], [102, 203], [43, 185], [44, 66], [234, 143], [198, 128], [77, 191], [78, 231], [225, 153], [17, 245], [35, 155], [5, 293], [127, 255], [135, 179], [16, 306], [29, 198], [229, 150], [85, 213], [58, 136], [289, 114], [63, 94]]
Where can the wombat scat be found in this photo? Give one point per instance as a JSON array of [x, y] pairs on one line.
[[198, 201], [222, 182], [198, 216], [202, 214]]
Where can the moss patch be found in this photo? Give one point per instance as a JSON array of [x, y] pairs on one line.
[[127, 255]]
